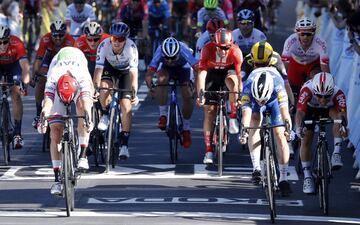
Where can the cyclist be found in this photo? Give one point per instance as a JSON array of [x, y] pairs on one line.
[[245, 36], [15, 65], [159, 18], [117, 57], [135, 14], [265, 90], [319, 98], [209, 11], [211, 27], [50, 44], [31, 9], [263, 55], [259, 8], [89, 41], [175, 57], [68, 72], [304, 54], [77, 15], [220, 65]]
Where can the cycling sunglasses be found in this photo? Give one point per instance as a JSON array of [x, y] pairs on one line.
[[224, 47], [93, 39], [4, 42], [308, 34], [323, 96], [210, 9], [57, 35], [118, 38], [246, 22]]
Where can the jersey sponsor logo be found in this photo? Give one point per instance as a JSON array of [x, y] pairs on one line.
[[341, 101], [321, 43], [302, 97], [245, 99], [290, 43], [282, 96]]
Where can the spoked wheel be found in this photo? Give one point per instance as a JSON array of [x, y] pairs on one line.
[[270, 184], [5, 133], [46, 140], [111, 142], [220, 143], [68, 183], [324, 180], [173, 135]]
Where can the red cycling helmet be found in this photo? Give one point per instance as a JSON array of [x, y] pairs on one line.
[[213, 25], [67, 88], [223, 38]]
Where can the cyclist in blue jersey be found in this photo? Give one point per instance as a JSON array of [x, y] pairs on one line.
[[265, 90], [159, 14], [175, 57]]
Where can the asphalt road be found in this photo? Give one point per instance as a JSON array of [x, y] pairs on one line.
[[147, 189]]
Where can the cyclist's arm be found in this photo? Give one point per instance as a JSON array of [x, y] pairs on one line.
[[25, 69], [246, 116], [97, 77], [290, 93], [201, 77], [299, 117], [285, 115]]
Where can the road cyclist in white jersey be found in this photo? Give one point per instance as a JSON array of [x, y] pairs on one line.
[[245, 36], [117, 57], [211, 27], [68, 64], [78, 14]]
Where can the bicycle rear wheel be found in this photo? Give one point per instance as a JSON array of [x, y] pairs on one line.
[[324, 179], [5, 111], [172, 134], [270, 182], [67, 180]]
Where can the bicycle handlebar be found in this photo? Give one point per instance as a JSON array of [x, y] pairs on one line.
[[264, 127], [324, 121]]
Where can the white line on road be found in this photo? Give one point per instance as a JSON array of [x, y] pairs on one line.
[[212, 215]]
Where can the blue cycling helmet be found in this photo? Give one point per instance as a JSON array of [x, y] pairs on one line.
[[245, 14], [120, 29]]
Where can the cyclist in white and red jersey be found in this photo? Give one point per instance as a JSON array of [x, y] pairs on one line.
[[304, 54], [211, 27], [220, 65], [319, 98]]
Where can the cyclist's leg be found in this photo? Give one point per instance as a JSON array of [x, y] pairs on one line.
[[254, 144], [336, 155], [162, 95], [232, 83], [105, 97]]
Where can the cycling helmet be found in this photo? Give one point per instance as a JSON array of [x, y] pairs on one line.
[[58, 26], [305, 24], [213, 25], [92, 29], [246, 14], [211, 4], [262, 86], [323, 84], [4, 31], [120, 29], [223, 38], [170, 47], [261, 52], [67, 88]]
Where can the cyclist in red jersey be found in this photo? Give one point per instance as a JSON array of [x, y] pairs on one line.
[[220, 65], [14, 66], [50, 44], [89, 41]]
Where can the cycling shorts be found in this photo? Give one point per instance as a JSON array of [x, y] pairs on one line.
[[298, 74], [109, 73], [274, 108], [12, 72], [215, 80], [314, 114], [179, 73]]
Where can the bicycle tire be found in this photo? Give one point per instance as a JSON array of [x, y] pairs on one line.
[[324, 176], [172, 134], [5, 132], [94, 139], [46, 140], [220, 143], [110, 140], [270, 187], [68, 185]]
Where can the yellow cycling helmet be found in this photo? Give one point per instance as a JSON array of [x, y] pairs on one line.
[[261, 52]]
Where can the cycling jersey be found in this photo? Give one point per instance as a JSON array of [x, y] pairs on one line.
[[127, 59], [245, 44], [47, 48], [275, 61], [292, 49], [77, 20], [77, 66], [277, 100], [15, 51], [184, 56], [203, 16], [90, 53], [200, 43], [159, 12], [209, 58], [308, 98], [228, 9], [193, 7], [126, 12]]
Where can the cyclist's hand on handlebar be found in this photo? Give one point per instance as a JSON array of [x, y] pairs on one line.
[[88, 125], [300, 132], [200, 101], [135, 100], [244, 136], [42, 123]]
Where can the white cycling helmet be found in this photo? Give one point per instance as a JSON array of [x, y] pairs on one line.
[[305, 24], [92, 29], [4, 31], [323, 84], [262, 86], [170, 47]]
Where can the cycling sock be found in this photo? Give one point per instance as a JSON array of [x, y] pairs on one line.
[[255, 159], [207, 141], [17, 129], [124, 138], [38, 108], [105, 111], [283, 169], [83, 142], [83, 152], [56, 174], [163, 109], [233, 112], [337, 145], [306, 165], [186, 124], [56, 167]]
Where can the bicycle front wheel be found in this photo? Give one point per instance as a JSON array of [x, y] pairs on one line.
[[67, 178], [111, 141], [324, 179], [270, 182], [172, 134], [220, 143], [5, 132]]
